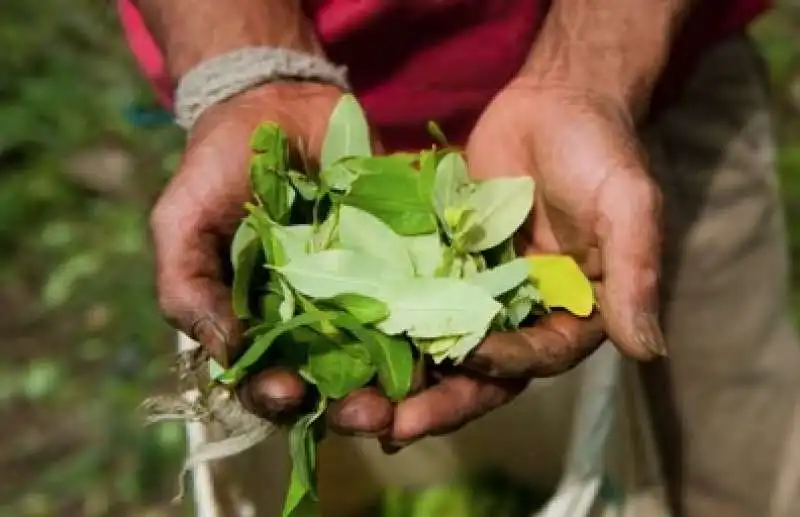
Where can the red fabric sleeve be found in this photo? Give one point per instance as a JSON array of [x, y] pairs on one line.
[[146, 51], [411, 61]]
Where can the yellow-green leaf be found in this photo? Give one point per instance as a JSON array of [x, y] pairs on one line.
[[561, 283]]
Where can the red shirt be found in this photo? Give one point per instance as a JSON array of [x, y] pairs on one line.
[[411, 61]]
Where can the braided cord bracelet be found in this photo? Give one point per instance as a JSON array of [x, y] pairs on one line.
[[224, 76]]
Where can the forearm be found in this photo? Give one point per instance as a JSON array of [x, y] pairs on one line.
[[617, 48], [191, 31]]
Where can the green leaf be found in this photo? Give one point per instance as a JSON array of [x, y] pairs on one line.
[[362, 232], [298, 502], [521, 303], [464, 345], [295, 240], [324, 327], [451, 189], [427, 174], [471, 265], [436, 347], [503, 278], [307, 189], [244, 237], [327, 233], [333, 272], [436, 307], [273, 250], [263, 342], [455, 348], [293, 351], [269, 139], [366, 310], [244, 254], [391, 355], [347, 134], [561, 283], [302, 496], [271, 309], [273, 191], [281, 244], [384, 164], [395, 199], [343, 173], [498, 208], [339, 369], [340, 175], [427, 253], [288, 305], [436, 132]]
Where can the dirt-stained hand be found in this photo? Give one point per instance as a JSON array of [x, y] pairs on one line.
[[195, 218], [594, 201]]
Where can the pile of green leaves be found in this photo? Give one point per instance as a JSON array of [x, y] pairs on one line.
[[355, 273]]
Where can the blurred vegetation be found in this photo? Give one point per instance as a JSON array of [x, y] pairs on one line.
[[83, 342]]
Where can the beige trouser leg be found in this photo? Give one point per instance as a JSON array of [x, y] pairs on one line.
[[725, 404]]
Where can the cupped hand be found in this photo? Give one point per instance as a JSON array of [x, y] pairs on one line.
[[194, 220], [594, 201]]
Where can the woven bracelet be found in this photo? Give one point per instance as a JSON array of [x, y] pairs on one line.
[[222, 77]]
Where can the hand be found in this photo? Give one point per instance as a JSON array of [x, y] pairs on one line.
[[194, 220], [193, 223], [594, 201]]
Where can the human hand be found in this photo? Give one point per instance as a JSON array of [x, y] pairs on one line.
[[194, 220], [193, 223], [594, 201]]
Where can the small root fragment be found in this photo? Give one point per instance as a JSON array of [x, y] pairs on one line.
[[199, 401]]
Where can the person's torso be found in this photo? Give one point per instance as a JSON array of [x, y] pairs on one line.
[[411, 61]]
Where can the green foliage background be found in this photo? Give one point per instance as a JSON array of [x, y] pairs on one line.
[[82, 340]]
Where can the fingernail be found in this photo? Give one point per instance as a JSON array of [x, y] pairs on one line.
[[649, 335], [208, 331]]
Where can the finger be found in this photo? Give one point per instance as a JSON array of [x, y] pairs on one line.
[[455, 401], [629, 231], [191, 292], [484, 160], [555, 344], [365, 412], [191, 225], [275, 394]]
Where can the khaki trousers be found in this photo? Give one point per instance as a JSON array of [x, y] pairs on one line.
[[725, 405]]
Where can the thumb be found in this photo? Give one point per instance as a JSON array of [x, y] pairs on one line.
[[629, 233], [191, 288], [493, 151]]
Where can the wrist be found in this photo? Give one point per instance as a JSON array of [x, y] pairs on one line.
[[616, 51], [296, 98], [229, 75], [190, 32], [546, 102]]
